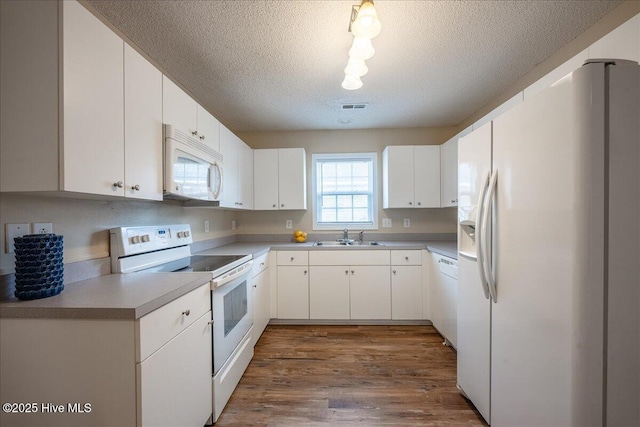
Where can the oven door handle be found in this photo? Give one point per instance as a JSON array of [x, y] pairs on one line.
[[231, 275]]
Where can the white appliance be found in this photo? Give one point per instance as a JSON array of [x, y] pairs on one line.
[[166, 249], [192, 169], [549, 255]]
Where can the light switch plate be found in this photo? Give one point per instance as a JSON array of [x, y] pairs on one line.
[[206, 226], [12, 231], [289, 224], [386, 222]]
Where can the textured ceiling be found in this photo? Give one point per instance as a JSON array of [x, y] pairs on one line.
[[278, 65]]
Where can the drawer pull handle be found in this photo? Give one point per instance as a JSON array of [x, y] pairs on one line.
[[186, 312]]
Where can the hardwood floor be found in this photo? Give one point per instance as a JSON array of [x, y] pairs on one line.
[[348, 375]]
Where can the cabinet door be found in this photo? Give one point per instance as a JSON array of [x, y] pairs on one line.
[[436, 293], [397, 177], [261, 304], [142, 127], [293, 292], [329, 292], [229, 150], [208, 128], [449, 173], [93, 99], [426, 166], [292, 179], [406, 292], [175, 382], [265, 180], [178, 108], [370, 292], [245, 184]]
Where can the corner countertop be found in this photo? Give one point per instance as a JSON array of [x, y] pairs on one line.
[[443, 247], [114, 296]]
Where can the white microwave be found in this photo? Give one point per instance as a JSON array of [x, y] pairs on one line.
[[192, 170]]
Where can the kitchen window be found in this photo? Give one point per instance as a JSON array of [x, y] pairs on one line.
[[344, 191]]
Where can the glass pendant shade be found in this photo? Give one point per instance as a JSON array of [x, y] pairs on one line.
[[351, 82], [356, 68], [361, 49], [366, 24]]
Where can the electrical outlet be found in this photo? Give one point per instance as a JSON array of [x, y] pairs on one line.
[[12, 231], [206, 226], [289, 224], [407, 223], [42, 228], [234, 225], [386, 222]]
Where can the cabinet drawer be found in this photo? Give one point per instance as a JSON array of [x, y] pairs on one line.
[[349, 257], [292, 257], [413, 257], [158, 327], [260, 264]]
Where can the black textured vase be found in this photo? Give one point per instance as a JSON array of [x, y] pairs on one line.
[[39, 266]]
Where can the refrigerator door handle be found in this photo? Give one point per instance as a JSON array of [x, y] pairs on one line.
[[487, 265], [480, 235]]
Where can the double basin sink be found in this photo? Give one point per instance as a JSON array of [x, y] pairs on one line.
[[347, 243]]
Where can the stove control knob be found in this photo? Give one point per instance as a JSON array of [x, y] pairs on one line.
[[145, 238], [180, 234], [135, 239], [186, 234]]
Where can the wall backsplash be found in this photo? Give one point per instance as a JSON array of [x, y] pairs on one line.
[[85, 223]]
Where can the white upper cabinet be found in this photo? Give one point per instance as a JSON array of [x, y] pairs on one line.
[[142, 127], [279, 177], [411, 176], [183, 112], [237, 184], [179, 109], [93, 103], [88, 119], [621, 43], [449, 170], [208, 128]]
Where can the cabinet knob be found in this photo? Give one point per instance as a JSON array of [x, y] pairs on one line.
[[186, 312], [454, 201], [262, 264], [136, 187], [194, 133], [118, 184], [210, 322], [255, 286], [406, 258], [291, 259], [394, 272], [346, 272], [419, 203], [282, 205], [305, 272], [201, 137], [410, 203], [274, 206], [353, 272]]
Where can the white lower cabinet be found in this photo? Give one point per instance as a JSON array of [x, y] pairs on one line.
[[261, 297], [152, 371], [175, 381], [329, 292], [406, 292], [370, 292], [293, 292]]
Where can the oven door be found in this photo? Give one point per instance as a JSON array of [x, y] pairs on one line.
[[232, 308]]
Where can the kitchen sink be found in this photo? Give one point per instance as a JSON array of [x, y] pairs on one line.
[[345, 243]]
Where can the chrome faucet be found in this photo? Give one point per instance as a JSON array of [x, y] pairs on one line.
[[345, 233], [361, 236]]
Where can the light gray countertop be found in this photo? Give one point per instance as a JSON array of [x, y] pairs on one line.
[[113, 296]]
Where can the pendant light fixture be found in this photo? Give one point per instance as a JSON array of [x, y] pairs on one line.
[[364, 25]]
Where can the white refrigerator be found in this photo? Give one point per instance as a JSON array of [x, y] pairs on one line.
[[549, 255]]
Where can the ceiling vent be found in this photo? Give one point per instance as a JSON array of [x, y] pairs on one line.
[[351, 107]]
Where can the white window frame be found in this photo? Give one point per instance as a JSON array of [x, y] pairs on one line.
[[373, 157]]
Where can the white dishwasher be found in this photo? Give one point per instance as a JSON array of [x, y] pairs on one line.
[[444, 298]]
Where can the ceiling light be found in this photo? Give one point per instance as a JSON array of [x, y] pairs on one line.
[[351, 82], [356, 68], [361, 48], [366, 23]]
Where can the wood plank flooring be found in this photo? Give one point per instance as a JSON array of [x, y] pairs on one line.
[[350, 375]]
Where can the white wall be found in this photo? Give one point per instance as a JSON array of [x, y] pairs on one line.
[[85, 223]]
